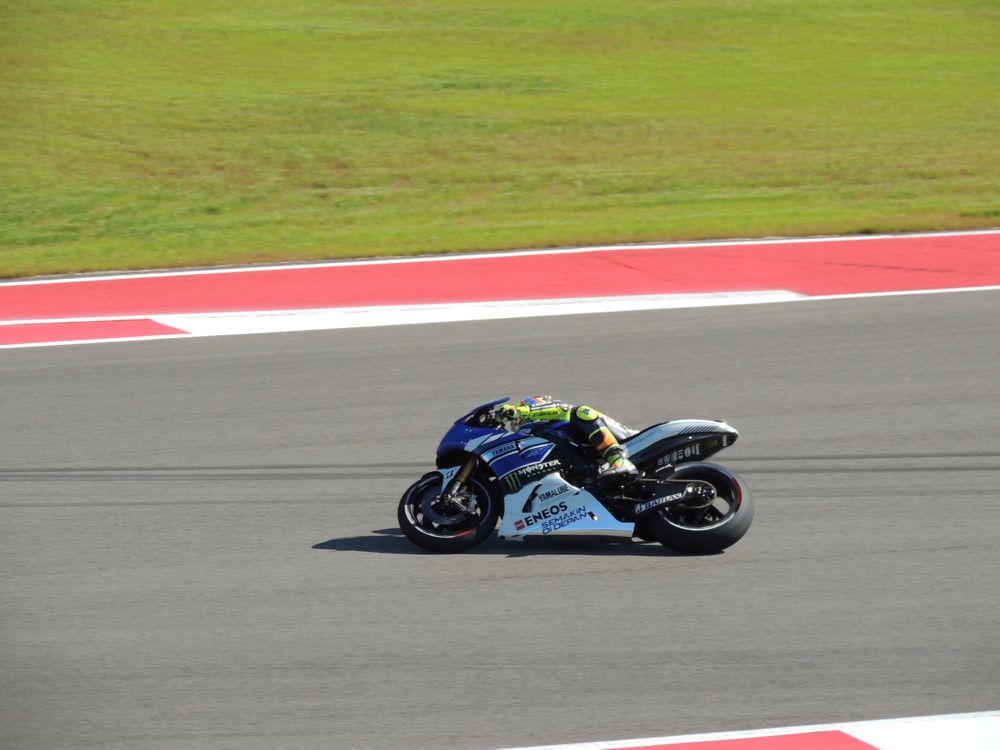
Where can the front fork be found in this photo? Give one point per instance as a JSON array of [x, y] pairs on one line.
[[455, 486]]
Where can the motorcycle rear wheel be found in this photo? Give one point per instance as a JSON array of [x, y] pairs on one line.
[[435, 525], [704, 530]]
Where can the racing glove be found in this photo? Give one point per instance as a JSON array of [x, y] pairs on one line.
[[506, 413]]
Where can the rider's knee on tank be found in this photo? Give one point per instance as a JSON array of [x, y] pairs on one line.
[[585, 414], [592, 424]]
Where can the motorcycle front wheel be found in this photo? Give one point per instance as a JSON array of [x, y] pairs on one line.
[[701, 527], [438, 525]]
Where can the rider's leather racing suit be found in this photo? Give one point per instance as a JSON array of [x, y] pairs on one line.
[[598, 428]]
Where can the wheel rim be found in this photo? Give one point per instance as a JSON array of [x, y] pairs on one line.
[[723, 507], [432, 516]]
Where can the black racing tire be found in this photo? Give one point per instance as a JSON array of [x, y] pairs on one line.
[[437, 527], [704, 531]]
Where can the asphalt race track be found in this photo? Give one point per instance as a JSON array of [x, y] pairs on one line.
[[199, 549]]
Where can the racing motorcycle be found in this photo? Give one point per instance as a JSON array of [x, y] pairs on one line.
[[541, 478]]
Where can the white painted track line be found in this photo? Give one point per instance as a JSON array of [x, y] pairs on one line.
[[224, 324], [972, 731]]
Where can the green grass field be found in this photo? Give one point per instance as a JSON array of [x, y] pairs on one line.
[[162, 133]]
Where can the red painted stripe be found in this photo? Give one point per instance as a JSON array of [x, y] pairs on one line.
[[47, 333], [812, 268], [808, 741]]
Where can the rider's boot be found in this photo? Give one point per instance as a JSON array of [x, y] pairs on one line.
[[618, 467], [591, 423]]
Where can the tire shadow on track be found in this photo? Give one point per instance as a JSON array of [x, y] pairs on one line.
[[392, 542]]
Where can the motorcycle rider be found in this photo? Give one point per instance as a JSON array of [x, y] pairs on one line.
[[597, 428]]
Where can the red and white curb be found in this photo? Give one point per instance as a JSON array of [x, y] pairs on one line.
[[95, 330], [389, 292], [66, 331], [974, 731]]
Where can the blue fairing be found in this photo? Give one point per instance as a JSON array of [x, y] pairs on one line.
[[531, 451], [460, 435], [504, 451]]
